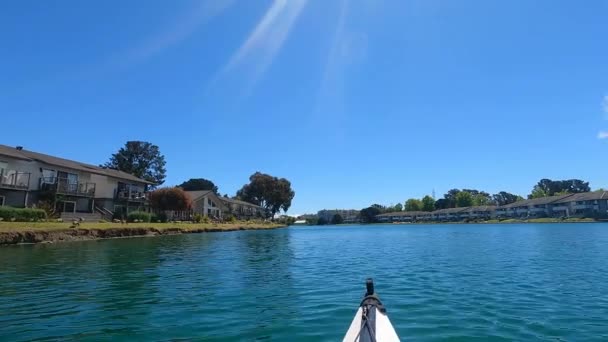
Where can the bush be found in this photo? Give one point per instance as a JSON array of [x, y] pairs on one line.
[[170, 199], [232, 219], [198, 218], [160, 217], [205, 219], [22, 214], [140, 216]]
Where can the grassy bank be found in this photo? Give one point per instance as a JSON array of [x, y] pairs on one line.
[[40, 232]]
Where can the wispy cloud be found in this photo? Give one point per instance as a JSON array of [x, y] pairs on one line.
[[602, 135], [182, 27], [264, 42]]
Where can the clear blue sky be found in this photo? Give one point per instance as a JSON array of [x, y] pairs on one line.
[[355, 101]]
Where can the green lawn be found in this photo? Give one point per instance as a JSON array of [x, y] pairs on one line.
[[48, 226]]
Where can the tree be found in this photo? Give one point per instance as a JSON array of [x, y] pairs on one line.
[[141, 159], [368, 215], [550, 188], [450, 198], [337, 219], [428, 203], [413, 204], [170, 199], [272, 193], [504, 198], [481, 199], [464, 199], [441, 203], [321, 221], [398, 207], [197, 184]]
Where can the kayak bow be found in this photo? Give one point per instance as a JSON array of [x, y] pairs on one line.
[[371, 324]]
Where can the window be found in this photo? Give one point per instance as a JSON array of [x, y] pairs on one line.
[[2, 198], [48, 176], [3, 166]]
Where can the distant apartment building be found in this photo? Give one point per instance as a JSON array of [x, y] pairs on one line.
[[348, 215], [27, 178], [588, 204]]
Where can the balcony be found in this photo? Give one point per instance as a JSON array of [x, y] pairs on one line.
[[64, 186], [131, 194], [11, 179]]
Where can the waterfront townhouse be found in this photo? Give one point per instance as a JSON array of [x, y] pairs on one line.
[[484, 212], [588, 204], [530, 208], [242, 210], [31, 179], [401, 216], [448, 214], [204, 203]]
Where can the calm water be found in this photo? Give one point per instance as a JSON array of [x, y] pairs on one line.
[[458, 282]]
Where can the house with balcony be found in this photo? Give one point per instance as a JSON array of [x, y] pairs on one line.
[[242, 210], [449, 214], [530, 208], [207, 203], [29, 178], [484, 212], [587, 204], [401, 216]]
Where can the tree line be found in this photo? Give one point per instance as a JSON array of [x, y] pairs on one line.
[[458, 198], [144, 160]]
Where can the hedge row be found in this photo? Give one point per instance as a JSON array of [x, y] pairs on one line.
[[139, 216], [22, 214]]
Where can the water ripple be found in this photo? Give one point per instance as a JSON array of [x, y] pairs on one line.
[[439, 282]]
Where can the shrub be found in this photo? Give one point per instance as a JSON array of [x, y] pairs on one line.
[[232, 219], [22, 214], [139, 216], [160, 217], [198, 218], [170, 199], [205, 219]]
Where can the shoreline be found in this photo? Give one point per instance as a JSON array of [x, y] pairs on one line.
[[31, 235]]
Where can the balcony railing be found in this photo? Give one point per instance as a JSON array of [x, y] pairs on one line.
[[131, 195], [14, 179], [66, 186]]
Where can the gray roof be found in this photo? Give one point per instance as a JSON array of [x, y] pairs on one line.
[[196, 195], [235, 201], [535, 201], [450, 210], [585, 196], [66, 163], [404, 213], [484, 208]]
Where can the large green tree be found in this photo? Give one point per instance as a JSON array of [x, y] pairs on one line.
[[428, 203], [464, 199], [398, 207], [337, 219], [413, 204], [197, 184], [141, 159], [368, 215], [548, 187], [504, 198], [272, 193]]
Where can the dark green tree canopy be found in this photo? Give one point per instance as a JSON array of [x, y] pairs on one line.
[[271, 193], [197, 184], [337, 219], [368, 215], [428, 203], [504, 198], [464, 199], [548, 187], [141, 159]]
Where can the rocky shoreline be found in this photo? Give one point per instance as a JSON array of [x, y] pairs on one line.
[[33, 236]]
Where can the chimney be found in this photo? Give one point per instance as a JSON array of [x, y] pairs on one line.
[[19, 148]]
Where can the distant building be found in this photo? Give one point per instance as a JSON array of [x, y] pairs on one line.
[[349, 215]]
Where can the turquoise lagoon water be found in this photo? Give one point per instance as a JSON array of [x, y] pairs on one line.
[[439, 282]]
